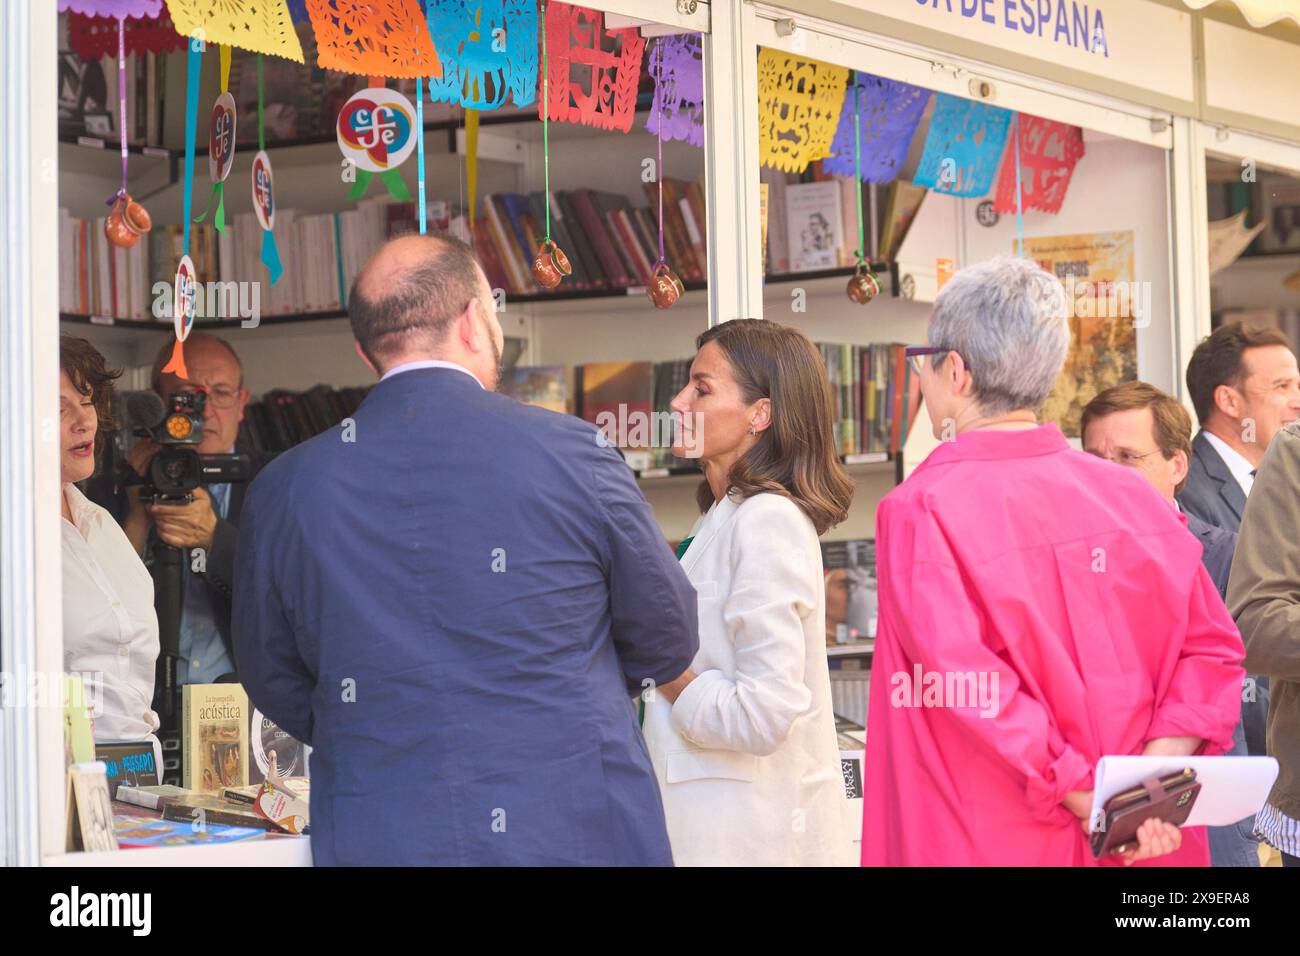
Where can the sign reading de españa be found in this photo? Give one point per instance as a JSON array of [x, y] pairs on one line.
[[1063, 21], [1135, 42]]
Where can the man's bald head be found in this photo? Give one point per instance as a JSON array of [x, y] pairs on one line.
[[407, 296]]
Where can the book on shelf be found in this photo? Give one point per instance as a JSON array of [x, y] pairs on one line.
[[546, 386], [814, 225], [130, 762], [214, 736], [616, 397], [869, 389], [194, 806]]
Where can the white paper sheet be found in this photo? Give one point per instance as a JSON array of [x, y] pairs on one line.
[[1232, 788]]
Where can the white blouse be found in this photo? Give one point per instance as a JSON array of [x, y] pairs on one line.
[[109, 624]]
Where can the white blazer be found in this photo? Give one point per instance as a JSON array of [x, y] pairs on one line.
[[747, 758]]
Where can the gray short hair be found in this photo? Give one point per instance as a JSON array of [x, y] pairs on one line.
[[1007, 319]]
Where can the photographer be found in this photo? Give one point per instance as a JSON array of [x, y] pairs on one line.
[[206, 528]]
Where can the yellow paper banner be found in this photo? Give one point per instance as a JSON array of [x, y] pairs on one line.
[[262, 26], [799, 104]]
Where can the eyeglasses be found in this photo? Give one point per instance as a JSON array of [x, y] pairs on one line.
[[219, 396], [1127, 458], [915, 353]]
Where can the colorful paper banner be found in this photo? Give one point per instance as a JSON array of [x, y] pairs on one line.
[[377, 38], [1049, 151], [888, 113], [487, 48], [94, 37], [591, 84], [963, 146], [799, 105], [260, 26], [679, 92], [112, 8]]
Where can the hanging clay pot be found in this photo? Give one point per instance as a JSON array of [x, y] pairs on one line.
[[550, 265], [864, 286], [664, 288], [127, 222]]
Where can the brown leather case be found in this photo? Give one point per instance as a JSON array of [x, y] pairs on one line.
[[1169, 798]]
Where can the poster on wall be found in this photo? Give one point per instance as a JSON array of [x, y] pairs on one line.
[[1105, 306]]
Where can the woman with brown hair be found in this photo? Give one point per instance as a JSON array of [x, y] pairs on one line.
[[744, 742], [109, 625]]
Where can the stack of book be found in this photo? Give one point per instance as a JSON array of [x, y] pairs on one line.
[[869, 385], [611, 244], [283, 418]]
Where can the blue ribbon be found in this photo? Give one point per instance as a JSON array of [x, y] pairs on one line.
[[191, 118], [271, 256], [419, 146]]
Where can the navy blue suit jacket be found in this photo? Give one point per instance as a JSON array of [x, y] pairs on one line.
[[454, 610], [1217, 546], [1211, 493]]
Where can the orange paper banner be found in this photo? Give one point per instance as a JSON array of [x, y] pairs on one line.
[[378, 38]]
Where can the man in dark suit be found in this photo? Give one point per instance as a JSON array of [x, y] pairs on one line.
[[453, 598], [1245, 386], [1137, 425]]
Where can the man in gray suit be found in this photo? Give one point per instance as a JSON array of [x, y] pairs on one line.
[[1245, 387], [1137, 425]]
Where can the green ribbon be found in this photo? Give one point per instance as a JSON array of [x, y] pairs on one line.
[[219, 220], [390, 178]]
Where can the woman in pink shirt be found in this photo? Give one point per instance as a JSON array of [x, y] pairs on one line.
[[1039, 608]]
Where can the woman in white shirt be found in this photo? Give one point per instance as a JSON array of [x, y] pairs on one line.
[[744, 742], [110, 630]]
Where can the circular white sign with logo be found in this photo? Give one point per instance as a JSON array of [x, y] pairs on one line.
[[376, 129]]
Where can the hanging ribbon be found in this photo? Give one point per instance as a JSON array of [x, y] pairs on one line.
[[217, 162], [121, 104], [659, 169], [859, 254], [546, 119], [471, 161], [183, 303], [419, 150], [1020, 212], [265, 207]]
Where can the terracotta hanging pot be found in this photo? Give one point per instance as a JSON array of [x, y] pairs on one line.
[[864, 286], [665, 287], [127, 222], [550, 265]]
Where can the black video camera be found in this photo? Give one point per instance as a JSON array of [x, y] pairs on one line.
[[176, 469]]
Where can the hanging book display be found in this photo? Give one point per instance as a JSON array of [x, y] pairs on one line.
[[377, 133], [487, 48], [221, 144], [886, 116], [259, 26], [665, 288], [677, 112], [550, 265], [1048, 153], [593, 71], [962, 147], [379, 38], [129, 220]]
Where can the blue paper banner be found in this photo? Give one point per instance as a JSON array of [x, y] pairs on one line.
[[889, 113], [963, 148], [487, 48]]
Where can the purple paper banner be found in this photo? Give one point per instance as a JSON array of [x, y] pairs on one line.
[[889, 112], [113, 8], [963, 147], [679, 89]]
